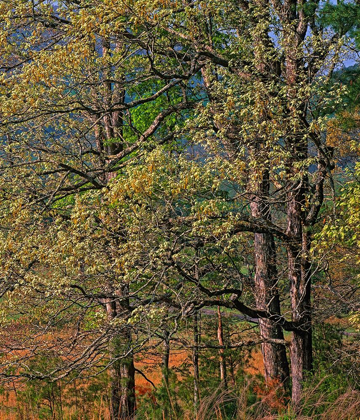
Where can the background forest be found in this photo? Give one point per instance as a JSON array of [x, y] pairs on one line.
[[179, 209]]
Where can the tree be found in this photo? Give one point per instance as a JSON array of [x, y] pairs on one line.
[[79, 101], [269, 119], [102, 103]]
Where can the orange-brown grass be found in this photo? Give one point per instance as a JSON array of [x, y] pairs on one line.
[[346, 406], [256, 364], [149, 364]]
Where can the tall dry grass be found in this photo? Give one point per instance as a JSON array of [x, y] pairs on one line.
[[345, 407], [247, 402]]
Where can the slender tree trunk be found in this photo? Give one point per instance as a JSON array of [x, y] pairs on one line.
[[165, 375], [222, 359], [300, 291], [232, 370], [266, 291], [298, 188], [122, 371], [195, 360], [299, 271], [166, 358], [122, 374]]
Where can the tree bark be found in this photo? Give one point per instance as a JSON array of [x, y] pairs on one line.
[[299, 268], [122, 371], [300, 292], [166, 358], [122, 374], [266, 291], [195, 360], [222, 359], [276, 365], [298, 188]]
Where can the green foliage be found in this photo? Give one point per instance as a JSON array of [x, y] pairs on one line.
[[343, 17], [345, 231], [349, 77]]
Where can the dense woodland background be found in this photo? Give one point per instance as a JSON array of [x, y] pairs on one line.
[[180, 209]]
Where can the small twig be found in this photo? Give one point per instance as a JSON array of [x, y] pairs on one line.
[[145, 377]]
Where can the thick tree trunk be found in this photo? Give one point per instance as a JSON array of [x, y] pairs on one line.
[[165, 373], [274, 355], [266, 277], [298, 189], [222, 359], [266, 291]]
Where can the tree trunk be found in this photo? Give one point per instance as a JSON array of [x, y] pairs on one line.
[[122, 374], [232, 370], [166, 358], [122, 371], [300, 292], [301, 343], [266, 292], [195, 360], [298, 189], [222, 359]]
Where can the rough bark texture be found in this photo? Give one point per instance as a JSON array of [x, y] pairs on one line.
[[266, 277], [267, 298], [266, 291], [300, 291], [298, 247], [299, 270]]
